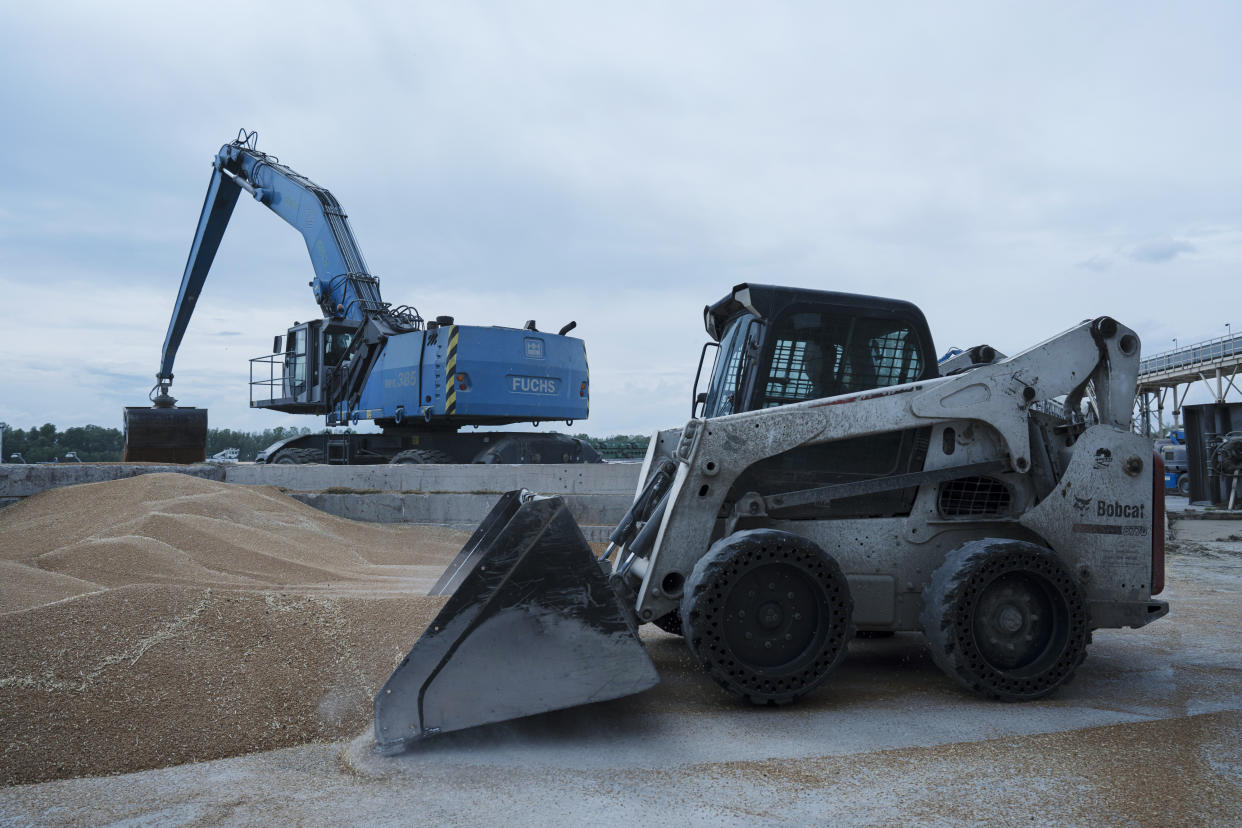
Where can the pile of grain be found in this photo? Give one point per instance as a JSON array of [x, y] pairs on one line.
[[163, 619]]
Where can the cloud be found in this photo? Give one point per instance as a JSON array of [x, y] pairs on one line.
[[618, 165], [1159, 251], [1098, 263]]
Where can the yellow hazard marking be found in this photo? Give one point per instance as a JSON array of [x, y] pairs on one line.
[[450, 405]]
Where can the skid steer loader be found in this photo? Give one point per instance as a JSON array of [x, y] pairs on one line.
[[834, 479]]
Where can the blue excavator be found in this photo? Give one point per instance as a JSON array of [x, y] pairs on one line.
[[419, 380]]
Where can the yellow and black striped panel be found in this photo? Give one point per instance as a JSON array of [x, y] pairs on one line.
[[450, 379]]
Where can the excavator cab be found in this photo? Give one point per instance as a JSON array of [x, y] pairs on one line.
[[293, 378]]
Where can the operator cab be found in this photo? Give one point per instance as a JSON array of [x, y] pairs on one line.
[[291, 379], [778, 345]]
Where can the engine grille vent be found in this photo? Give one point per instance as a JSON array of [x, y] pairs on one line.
[[971, 496]]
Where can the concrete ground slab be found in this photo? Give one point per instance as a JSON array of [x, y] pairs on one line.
[[1149, 732]]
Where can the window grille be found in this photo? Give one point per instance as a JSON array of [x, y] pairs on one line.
[[971, 496]]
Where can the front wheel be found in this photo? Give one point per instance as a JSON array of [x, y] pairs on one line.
[[1006, 619], [768, 614], [1183, 485]]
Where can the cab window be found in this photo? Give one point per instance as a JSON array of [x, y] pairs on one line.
[[335, 344], [732, 362], [818, 354]]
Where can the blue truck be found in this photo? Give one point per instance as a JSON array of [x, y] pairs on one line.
[[365, 360], [1176, 470]]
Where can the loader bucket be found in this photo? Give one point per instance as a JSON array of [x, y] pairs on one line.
[[531, 626], [165, 435]]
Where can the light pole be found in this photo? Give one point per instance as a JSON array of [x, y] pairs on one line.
[[3, 426]]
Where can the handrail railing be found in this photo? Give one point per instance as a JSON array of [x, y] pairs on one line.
[[269, 385], [1208, 351]]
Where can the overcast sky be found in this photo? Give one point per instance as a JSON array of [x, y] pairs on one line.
[[1012, 170]]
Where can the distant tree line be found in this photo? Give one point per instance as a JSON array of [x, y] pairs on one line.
[[96, 444], [44, 444], [618, 446]]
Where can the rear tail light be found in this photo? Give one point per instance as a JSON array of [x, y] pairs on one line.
[[1157, 525]]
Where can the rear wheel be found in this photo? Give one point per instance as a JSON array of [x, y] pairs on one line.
[[768, 614], [297, 456], [420, 457], [1007, 619], [1183, 485]]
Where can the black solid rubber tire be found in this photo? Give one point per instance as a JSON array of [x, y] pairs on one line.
[[1183, 485], [986, 585], [420, 457], [670, 622], [297, 456], [734, 575]]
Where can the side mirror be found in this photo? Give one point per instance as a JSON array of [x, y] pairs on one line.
[[700, 402], [276, 349]]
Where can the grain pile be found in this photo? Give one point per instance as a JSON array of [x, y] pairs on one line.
[[163, 619]]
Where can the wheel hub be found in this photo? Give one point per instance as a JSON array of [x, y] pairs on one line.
[[1012, 622], [772, 615], [1010, 619]]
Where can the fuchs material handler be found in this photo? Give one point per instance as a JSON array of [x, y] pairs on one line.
[[365, 360]]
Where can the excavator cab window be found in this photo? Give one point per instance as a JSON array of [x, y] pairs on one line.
[[301, 372], [335, 344], [295, 362]]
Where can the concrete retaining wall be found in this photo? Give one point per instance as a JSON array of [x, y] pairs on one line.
[[19, 480], [458, 496]]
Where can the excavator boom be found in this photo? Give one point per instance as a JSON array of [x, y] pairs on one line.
[[342, 286]]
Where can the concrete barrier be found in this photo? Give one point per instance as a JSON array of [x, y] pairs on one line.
[[19, 480], [586, 478], [459, 496]]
